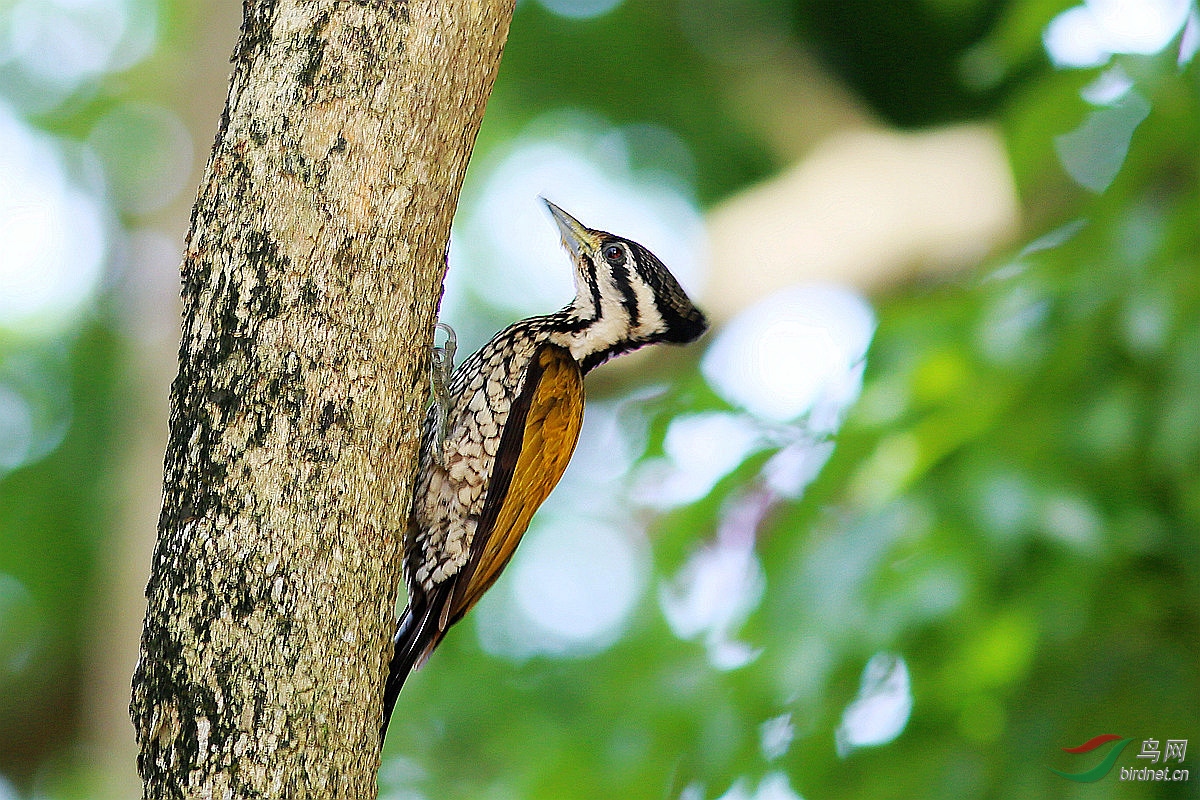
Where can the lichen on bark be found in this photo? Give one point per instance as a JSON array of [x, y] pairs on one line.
[[310, 283]]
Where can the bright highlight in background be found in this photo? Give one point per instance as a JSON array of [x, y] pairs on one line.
[[718, 588], [570, 590], [798, 352], [1088, 35], [795, 357], [579, 582], [700, 450], [775, 785], [52, 232], [580, 9], [61, 45], [880, 712]]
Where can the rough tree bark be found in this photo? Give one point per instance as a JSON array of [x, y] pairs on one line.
[[310, 284]]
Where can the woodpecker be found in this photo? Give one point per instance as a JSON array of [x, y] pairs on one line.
[[499, 438]]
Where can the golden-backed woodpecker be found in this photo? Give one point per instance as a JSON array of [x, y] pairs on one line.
[[510, 417]]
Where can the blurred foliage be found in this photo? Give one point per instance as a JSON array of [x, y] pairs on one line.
[[1013, 506], [910, 64], [55, 513], [637, 64]]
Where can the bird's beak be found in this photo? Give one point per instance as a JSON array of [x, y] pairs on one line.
[[575, 236]]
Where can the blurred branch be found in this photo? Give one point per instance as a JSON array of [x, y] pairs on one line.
[[311, 279], [868, 208]]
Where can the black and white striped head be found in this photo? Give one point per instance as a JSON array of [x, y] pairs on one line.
[[625, 297]]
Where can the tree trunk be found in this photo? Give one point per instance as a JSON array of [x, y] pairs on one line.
[[310, 284]]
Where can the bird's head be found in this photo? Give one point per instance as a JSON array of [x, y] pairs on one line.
[[624, 296]]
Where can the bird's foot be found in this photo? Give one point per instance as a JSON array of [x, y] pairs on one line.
[[441, 367]]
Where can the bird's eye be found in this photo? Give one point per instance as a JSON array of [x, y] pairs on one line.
[[614, 254]]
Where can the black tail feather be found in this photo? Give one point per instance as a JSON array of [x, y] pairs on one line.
[[421, 628], [405, 653]]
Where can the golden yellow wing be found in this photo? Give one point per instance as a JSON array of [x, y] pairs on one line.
[[537, 443]]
